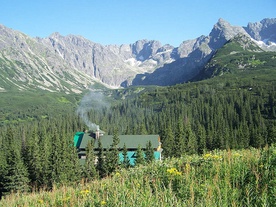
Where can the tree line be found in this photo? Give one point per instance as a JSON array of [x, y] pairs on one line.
[[190, 118], [40, 155]]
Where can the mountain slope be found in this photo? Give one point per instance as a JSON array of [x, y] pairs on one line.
[[27, 64], [72, 63], [187, 67], [238, 54]]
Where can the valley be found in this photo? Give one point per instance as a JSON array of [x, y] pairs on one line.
[[212, 101]]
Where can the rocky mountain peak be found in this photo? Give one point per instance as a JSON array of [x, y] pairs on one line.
[[143, 49], [263, 30], [246, 43], [222, 32], [77, 62], [222, 24]]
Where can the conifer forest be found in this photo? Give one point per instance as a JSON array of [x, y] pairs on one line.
[[230, 112]]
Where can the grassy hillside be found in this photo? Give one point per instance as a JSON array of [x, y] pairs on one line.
[[239, 56], [22, 106], [217, 178], [233, 108]]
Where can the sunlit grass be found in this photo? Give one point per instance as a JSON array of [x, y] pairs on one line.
[[219, 178]]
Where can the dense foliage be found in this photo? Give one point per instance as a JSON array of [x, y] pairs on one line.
[[236, 110], [218, 178]]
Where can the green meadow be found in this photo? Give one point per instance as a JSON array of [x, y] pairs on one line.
[[217, 178]]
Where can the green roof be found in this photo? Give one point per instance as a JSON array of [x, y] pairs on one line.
[[131, 141], [78, 138]]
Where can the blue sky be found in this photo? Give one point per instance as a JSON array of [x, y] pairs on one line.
[[126, 21]]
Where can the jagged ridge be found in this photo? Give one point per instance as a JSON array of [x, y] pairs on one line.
[[72, 63]]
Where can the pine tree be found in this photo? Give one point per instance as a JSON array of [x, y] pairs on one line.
[[45, 150], [112, 157], [149, 152], [201, 138], [192, 147], [101, 164], [16, 176], [179, 140], [90, 171], [168, 142], [140, 159], [3, 169], [75, 174], [58, 175], [271, 134], [126, 161], [33, 159]]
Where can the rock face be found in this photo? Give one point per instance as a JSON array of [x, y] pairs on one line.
[[194, 54], [110, 64], [72, 63], [264, 32]]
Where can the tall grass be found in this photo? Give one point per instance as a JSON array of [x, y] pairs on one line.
[[219, 178]]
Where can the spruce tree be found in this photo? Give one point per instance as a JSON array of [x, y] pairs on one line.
[[16, 176], [179, 140], [76, 173], [90, 171], [45, 148], [126, 161], [271, 134], [112, 157], [149, 152], [140, 159], [168, 142], [3, 170], [201, 138], [33, 159], [57, 175], [192, 147], [101, 164]]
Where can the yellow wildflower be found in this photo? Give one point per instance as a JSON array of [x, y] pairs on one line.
[[217, 157], [173, 171], [85, 192], [236, 154], [66, 198], [103, 203], [187, 166], [212, 157], [207, 156], [40, 201]]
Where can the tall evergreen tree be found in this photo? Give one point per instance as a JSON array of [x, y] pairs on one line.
[[33, 159], [201, 138], [16, 176], [149, 152], [140, 159], [45, 147], [3, 169], [112, 157], [101, 164], [179, 140], [271, 134], [90, 171], [168, 142], [126, 161], [58, 173], [192, 147]]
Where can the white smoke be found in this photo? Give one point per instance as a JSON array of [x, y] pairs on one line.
[[92, 100]]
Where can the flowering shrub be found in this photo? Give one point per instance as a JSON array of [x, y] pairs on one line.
[[209, 156], [218, 178], [173, 171]]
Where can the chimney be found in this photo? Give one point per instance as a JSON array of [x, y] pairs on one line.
[[97, 132]]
